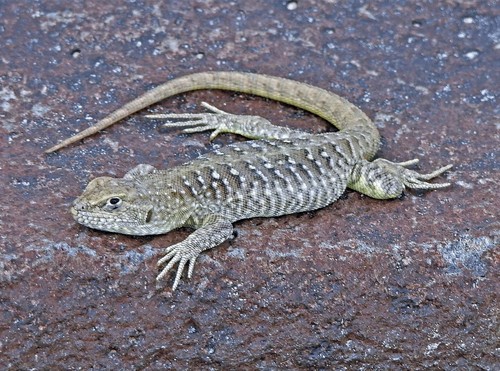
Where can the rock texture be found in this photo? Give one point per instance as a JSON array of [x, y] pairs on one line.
[[362, 284]]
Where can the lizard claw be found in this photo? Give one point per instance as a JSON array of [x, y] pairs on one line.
[[181, 253]]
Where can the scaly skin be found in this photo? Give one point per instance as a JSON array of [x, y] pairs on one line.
[[281, 171]]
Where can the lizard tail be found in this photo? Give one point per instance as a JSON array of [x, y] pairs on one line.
[[331, 107]]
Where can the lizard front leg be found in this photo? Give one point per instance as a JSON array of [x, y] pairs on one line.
[[252, 127], [383, 179], [214, 230]]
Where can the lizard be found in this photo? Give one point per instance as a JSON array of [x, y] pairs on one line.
[[278, 171]]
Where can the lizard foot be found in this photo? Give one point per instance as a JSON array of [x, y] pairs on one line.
[[415, 180], [214, 230], [218, 120], [383, 179], [183, 253]]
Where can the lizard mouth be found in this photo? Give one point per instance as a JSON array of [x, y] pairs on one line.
[[113, 223]]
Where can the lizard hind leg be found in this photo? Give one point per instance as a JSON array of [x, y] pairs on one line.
[[249, 126], [383, 179]]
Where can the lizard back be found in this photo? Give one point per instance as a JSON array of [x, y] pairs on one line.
[[260, 178]]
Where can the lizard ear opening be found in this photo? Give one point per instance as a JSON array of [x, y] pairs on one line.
[[149, 215]]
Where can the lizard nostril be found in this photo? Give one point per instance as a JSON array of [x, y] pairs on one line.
[[80, 206]]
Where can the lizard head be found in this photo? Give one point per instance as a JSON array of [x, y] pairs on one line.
[[114, 205]]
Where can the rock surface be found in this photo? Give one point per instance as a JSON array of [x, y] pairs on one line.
[[362, 284]]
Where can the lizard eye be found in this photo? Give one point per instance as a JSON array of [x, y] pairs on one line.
[[114, 202]]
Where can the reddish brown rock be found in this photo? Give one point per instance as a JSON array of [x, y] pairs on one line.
[[406, 284]]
